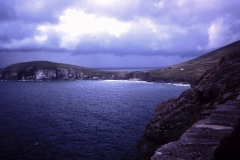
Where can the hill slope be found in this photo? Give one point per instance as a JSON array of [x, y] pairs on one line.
[[202, 123], [45, 70], [194, 68], [43, 65]]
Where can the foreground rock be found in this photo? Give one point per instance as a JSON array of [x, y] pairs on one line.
[[214, 137], [203, 123]]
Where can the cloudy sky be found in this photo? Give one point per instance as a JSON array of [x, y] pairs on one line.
[[115, 33]]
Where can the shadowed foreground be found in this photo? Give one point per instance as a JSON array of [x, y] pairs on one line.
[[203, 123]]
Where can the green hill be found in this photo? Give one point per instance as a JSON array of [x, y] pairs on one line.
[[17, 67], [194, 68]]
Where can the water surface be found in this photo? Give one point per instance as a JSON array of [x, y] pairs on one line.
[[77, 119]]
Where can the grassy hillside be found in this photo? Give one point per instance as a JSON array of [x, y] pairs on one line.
[[48, 65], [194, 68]]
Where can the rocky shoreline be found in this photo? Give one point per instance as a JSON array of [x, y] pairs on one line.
[[202, 123], [58, 74]]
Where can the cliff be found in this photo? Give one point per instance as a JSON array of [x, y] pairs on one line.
[[202, 123], [44, 70]]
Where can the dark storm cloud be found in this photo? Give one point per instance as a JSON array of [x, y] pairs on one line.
[[7, 12], [34, 11], [19, 27], [16, 30]]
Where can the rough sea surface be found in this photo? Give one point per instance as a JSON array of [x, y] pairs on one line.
[[77, 119]]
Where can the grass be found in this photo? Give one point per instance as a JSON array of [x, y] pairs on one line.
[[194, 68], [50, 66]]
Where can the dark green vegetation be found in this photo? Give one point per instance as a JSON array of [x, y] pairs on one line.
[[17, 67], [194, 68], [44, 70]]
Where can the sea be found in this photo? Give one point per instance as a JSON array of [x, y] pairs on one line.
[[128, 69], [77, 120]]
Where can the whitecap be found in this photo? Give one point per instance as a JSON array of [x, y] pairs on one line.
[[181, 84]]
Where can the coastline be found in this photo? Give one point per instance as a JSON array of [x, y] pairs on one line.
[[107, 80], [202, 123]]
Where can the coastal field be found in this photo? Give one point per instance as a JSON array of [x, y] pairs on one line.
[[194, 68]]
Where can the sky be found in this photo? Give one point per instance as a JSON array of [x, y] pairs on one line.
[[115, 33]]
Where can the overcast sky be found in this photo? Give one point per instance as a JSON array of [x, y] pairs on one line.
[[115, 33]]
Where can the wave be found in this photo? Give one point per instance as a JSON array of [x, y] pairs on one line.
[[181, 84], [127, 81]]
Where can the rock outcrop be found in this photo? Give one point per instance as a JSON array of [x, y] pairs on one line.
[[33, 72], [202, 123], [59, 73], [39, 74], [1, 72], [44, 74]]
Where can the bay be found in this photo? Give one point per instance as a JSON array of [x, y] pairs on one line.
[[77, 119]]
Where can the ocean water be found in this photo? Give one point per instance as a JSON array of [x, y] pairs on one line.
[[77, 119], [128, 69]]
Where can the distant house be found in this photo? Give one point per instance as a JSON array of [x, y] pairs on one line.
[[182, 69]]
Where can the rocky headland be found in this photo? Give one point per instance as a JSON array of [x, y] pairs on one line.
[[202, 123], [50, 71]]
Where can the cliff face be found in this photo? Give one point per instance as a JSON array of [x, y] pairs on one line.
[[41, 74], [203, 122], [59, 73], [1, 72], [35, 73], [31, 72]]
